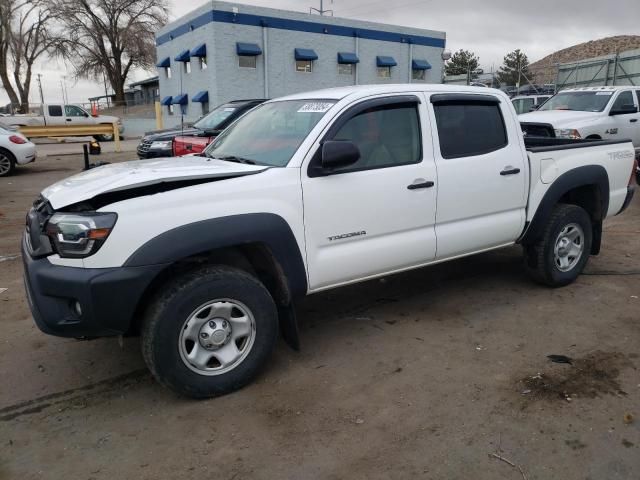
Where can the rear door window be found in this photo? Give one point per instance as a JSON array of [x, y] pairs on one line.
[[625, 99], [55, 110], [469, 128]]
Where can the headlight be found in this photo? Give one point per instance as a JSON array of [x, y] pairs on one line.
[[161, 145], [568, 133], [78, 235]]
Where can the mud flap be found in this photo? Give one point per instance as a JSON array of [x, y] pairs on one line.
[[289, 326]]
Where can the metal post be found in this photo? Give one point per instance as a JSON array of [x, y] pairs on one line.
[[410, 58], [357, 55], [615, 69], [85, 152], [265, 63]]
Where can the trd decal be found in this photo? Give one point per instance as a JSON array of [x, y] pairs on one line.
[[612, 131]]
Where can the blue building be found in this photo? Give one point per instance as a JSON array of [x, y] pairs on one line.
[[224, 51]]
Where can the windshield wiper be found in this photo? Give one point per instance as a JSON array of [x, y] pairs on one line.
[[233, 158]]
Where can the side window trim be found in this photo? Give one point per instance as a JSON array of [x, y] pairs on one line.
[[353, 111]]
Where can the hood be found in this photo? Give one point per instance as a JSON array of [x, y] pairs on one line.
[[170, 133], [560, 118], [123, 176]]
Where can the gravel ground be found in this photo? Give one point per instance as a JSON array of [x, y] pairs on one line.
[[439, 373]]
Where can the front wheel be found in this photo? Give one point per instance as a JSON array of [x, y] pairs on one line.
[[104, 138], [563, 251], [209, 332]]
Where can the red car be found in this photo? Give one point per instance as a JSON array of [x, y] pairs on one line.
[[210, 127]]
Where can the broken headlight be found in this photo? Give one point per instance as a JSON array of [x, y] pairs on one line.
[[78, 235]]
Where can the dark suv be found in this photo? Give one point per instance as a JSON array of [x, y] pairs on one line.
[[158, 143]]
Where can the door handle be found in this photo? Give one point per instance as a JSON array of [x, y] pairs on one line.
[[633, 120], [415, 186], [68, 119], [509, 171]]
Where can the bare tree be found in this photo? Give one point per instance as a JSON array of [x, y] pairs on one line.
[[25, 35], [110, 37]]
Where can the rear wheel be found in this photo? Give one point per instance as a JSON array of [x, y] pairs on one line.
[[564, 249], [104, 138], [7, 163], [209, 332]]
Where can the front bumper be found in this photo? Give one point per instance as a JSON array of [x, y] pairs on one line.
[[108, 297]]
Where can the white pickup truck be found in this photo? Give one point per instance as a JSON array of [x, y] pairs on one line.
[[205, 256], [59, 114], [594, 113]]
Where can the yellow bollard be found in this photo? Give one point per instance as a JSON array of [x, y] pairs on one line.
[[116, 136], [158, 116]]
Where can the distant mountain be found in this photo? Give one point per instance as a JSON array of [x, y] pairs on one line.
[[544, 70]]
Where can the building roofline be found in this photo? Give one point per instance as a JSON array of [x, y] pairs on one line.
[[303, 22]]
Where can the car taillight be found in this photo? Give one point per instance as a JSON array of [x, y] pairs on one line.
[[16, 139]]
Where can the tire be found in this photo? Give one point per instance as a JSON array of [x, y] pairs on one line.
[[7, 163], [554, 261], [185, 309], [104, 138]]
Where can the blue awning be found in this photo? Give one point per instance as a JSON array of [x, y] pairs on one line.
[[305, 54], [420, 65], [248, 49], [201, 97], [183, 56], [182, 99], [385, 61], [166, 100], [166, 63], [346, 57], [199, 51]]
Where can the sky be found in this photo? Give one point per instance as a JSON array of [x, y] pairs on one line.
[[490, 28]]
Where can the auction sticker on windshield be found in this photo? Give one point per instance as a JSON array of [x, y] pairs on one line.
[[315, 107]]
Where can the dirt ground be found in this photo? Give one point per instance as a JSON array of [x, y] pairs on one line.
[[439, 373]]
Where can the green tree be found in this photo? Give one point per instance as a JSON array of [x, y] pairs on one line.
[[514, 69], [462, 62]]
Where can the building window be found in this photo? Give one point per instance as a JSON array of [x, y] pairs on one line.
[[187, 67], [167, 72], [346, 68], [170, 109], [384, 72], [305, 66], [203, 63], [245, 61], [417, 74]]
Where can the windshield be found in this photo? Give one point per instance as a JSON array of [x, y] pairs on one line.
[[214, 119], [271, 133], [579, 101]]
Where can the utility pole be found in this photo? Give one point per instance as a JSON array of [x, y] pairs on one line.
[[321, 10], [40, 87]]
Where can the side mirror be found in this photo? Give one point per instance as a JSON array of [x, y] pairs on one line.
[[623, 110], [534, 108], [339, 153]]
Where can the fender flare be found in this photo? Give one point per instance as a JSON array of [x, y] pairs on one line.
[[200, 237], [574, 178]]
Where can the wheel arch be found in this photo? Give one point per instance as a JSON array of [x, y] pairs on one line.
[[586, 187], [262, 244]]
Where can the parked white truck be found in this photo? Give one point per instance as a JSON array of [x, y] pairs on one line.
[[598, 113], [205, 256], [59, 114]]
